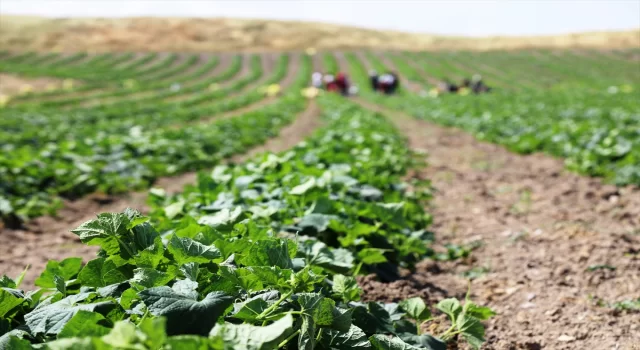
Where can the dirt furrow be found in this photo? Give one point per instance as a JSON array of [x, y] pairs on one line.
[[556, 250]]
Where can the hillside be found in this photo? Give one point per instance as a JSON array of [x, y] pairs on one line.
[[211, 35]]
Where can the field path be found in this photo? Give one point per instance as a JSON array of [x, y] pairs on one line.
[[540, 230], [48, 238]]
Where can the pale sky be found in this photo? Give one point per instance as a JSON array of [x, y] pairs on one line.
[[455, 17]]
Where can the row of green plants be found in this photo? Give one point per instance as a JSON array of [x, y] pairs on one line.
[[596, 132], [258, 255], [66, 155]]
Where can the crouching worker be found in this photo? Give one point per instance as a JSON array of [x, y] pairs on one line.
[[387, 84], [343, 84], [478, 86], [330, 83], [316, 80]]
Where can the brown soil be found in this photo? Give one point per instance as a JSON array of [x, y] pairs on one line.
[[11, 84], [227, 34], [49, 238], [541, 228]]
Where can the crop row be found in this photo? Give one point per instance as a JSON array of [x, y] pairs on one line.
[[128, 145], [261, 255], [597, 132]]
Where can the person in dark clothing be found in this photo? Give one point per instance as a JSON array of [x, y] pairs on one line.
[[478, 86], [451, 87], [466, 83], [373, 78]]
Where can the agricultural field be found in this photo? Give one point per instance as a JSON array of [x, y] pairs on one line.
[[185, 200]]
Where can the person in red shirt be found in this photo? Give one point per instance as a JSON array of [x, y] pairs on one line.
[[343, 83], [330, 83]]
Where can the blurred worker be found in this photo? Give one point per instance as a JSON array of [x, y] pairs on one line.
[[478, 86], [316, 80], [330, 83], [343, 83], [384, 82]]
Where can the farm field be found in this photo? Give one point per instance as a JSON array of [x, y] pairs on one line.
[[261, 218]]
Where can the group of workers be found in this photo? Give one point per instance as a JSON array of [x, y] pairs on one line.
[[333, 83], [475, 85], [389, 83]]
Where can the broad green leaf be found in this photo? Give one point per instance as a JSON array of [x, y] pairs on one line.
[[172, 210], [148, 278], [186, 288], [306, 280], [8, 302], [185, 314], [372, 256], [341, 319], [224, 219], [416, 309], [479, 312], [85, 324], [304, 187], [10, 341], [317, 222], [316, 311], [317, 253], [424, 341], [144, 235], [248, 337], [67, 269], [384, 342], [190, 270], [50, 319], [125, 335], [154, 329], [471, 329], [139, 220], [60, 284], [78, 344], [192, 342], [396, 313], [346, 287], [219, 174], [128, 297], [372, 319], [7, 282], [186, 250], [108, 231], [354, 338], [150, 256], [250, 311], [450, 307], [273, 252], [102, 272], [269, 276]]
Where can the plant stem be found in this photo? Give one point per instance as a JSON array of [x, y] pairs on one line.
[[270, 309], [445, 336], [288, 339], [144, 316]]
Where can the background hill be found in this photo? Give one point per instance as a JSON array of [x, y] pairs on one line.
[[221, 34]]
